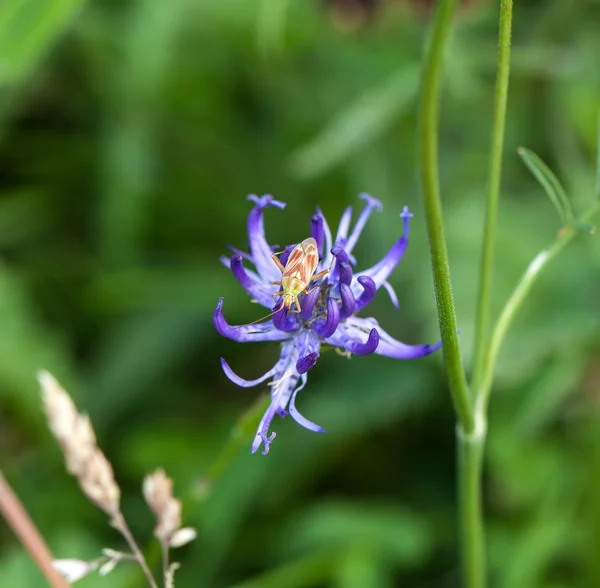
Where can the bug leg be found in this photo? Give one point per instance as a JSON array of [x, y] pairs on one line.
[[278, 263], [278, 293], [298, 307], [324, 272], [277, 283]]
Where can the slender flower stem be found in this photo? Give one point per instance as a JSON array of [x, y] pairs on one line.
[[470, 461], [514, 303], [428, 161], [118, 522], [487, 256], [16, 516]]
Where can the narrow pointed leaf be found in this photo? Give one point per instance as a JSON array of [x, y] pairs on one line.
[[551, 185]]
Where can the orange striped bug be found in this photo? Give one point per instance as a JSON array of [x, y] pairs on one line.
[[298, 273]]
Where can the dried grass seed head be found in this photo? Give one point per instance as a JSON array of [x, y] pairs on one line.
[[76, 436]]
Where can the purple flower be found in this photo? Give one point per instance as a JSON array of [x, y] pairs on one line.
[[329, 308]]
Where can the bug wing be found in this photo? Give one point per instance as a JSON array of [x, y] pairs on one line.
[[294, 262], [310, 261]]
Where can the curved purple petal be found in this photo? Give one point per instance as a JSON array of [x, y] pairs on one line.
[[369, 290], [258, 291], [388, 346], [307, 362], [284, 320], [259, 248], [348, 302], [316, 231], [339, 253], [326, 328], [241, 381], [341, 257], [246, 333], [345, 272], [381, 271], [371, 204], [356, 345], [297, 416], [308, 303]]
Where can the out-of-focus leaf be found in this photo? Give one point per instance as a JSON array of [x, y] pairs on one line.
[[356, 125], [28, 30], [392, 532], [362, 568], [543, 399], [551, 185]]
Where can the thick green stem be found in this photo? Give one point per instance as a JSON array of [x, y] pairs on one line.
[[487, 256], [428, 161], [470, 462]]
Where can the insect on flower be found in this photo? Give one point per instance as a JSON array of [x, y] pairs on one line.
[[322, 314], [298, 273]]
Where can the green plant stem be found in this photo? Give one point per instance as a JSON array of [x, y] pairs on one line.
[[470, 462], [429, 172], [514, 303], [487, 256]]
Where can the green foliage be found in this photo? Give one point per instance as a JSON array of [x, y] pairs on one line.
[[130, 135]]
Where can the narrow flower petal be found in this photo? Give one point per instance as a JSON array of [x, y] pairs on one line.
[[258, 291], [348, 302], [307, 362], [388, 346], [285, 379], [326, 328], [316, 231], [371, 204], [259, 248], [246, 333], [381, 271], [369, 289], [297, 416], [240, 252], [240, 381], [342, 232], [392, 294], [327, 257]]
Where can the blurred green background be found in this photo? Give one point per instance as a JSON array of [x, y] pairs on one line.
[[131, 133]]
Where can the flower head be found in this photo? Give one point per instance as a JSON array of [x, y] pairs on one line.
[[328, 307]]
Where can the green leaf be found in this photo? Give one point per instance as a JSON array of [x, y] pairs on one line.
[[551, 185]]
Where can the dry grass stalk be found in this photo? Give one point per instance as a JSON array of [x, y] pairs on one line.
[[95, 476]]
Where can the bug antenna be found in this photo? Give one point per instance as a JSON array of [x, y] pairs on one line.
[[262, 318]]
